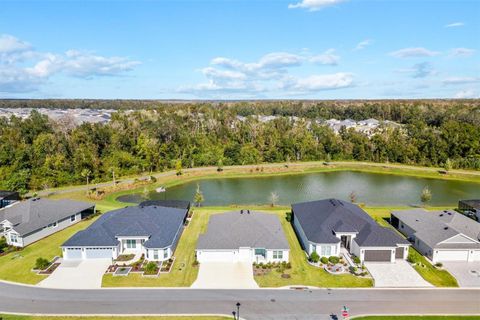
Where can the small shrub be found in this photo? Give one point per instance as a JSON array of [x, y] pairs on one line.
[[153, 179], [151, 268], [41, 263], [438, 264], [356, 260], [324, 260], [353, 269], [289, 216], [363, 274], [314, 257], [334, 259], [288, 265], [195, 263]]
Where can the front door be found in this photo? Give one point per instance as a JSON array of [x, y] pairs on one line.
[[345, 242], [245, 254]]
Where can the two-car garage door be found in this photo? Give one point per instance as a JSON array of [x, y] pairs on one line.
[[457, 255], [87, 253]]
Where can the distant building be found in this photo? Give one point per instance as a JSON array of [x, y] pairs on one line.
[[8, 197]]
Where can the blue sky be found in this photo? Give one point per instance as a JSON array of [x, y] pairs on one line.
[[308, 49]]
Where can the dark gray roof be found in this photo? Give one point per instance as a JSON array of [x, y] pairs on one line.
[[233, 230], [159, 224], [433, 227], [33, 214], [474, 203], [180, 204], [7, 194], [322, 218]]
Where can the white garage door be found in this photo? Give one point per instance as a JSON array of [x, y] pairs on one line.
[[217, 256], [98, 253], [452, 255], [475, 256], [72, 253]]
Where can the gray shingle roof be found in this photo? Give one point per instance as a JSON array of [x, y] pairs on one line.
[[33, 214], [159, 224], [180, 204], [232, 230], [7, 194], [474, 203], [433, 227], [322, 218]]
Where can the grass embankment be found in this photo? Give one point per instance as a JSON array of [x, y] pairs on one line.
[[437, 277], [16, 266], [22, 317]]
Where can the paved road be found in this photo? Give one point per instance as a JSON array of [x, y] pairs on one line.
[[256, 304]]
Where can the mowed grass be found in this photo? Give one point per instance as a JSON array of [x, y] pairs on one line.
[[22, 317], [301, 272], [437, 277], [16, 266]]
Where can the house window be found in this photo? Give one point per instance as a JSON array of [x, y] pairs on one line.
[[277, 254], [260, 252], [314, 248], [73, 218], [326, 250], [155, 254], [13, 238], [131, 244], [165, 254]]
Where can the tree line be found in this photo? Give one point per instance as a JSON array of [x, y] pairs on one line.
[[37, 152]]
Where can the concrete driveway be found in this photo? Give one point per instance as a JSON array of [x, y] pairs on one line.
[[77, 274], [466, 273], [225, 275], [395, 275]]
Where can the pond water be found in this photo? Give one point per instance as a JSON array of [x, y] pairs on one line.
[[370, 188]]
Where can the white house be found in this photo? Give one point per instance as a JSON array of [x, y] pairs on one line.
[[150, 230], [243, 236], [331, 226], [25, 222], [440, 235]]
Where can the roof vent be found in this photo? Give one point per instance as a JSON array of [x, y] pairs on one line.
[[446, 228], [449, 213], [441, 214], [445, 211]]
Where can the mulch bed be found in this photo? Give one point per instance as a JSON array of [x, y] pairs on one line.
[[167, 266], [50, 269]]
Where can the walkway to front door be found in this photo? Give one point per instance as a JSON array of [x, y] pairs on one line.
[[225, 275]]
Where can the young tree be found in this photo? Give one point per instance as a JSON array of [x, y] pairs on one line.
[[448, 165], [178, 167], [273, 198], [145, 193], [426, 195], [86, 173], [198, 198], [353, 197], [220, 165]]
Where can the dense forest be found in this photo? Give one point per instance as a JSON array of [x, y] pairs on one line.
[[38, 152]]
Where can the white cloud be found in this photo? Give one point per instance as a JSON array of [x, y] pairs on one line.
[[461, 52], [23, 69], [455, 25], [460, 80], [363, 44], [9, 44], [319, 82], [270, 73], [467, 94], [327, 58], [413, 52], [314, 5], [419, 70]]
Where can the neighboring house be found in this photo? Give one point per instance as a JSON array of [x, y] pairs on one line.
[[8, 197], [243, 236], [150, 230], [440, 235], [472, 206], [327, 226], [28, 221]]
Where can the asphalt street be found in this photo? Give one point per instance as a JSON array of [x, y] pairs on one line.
[[255, 304]]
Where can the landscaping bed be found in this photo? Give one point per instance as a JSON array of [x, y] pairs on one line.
[[167, 265], [122, 271], [125, 257], [261, 269], [45, 267]]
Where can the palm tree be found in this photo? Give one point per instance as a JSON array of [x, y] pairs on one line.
[[198, 198], [426, 195]]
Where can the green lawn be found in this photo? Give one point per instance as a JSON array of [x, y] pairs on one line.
[[418, 317], [16, 266], [437, 277], [302, 273], [21, 317]]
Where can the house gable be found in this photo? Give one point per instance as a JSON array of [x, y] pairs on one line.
[[459, 238]]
